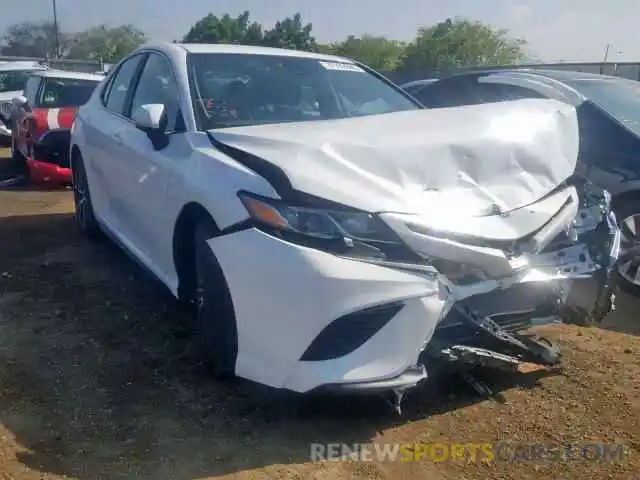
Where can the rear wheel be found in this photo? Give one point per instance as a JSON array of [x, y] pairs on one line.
[[84, 216], [214, 308], [18, 160]]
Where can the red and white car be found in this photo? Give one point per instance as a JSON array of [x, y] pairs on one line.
[[42, 119]]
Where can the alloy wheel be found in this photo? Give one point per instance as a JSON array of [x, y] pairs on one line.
[[629, 265], [80, 195]]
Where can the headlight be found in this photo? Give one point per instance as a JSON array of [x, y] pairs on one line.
[[317, 223], [342, 231]]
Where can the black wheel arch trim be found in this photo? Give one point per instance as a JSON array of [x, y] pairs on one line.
[[187, 220]]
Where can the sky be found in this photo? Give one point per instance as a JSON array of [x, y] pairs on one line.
[[556, 30]]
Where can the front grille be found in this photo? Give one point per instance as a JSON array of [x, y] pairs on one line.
[[5, 108]]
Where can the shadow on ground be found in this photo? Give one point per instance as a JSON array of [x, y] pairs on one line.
[[22, 184], [625, 318], [100, 377]]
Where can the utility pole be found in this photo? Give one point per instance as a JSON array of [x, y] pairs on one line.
[[606, 57], [56, 30], [606, 51]]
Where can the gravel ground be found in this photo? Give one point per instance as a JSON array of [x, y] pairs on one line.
[[100, 381]]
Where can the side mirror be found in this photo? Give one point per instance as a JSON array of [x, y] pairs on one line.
[[149, 117], [19, 101], [152, 119]]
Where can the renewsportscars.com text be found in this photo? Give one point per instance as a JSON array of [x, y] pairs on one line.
[[470, 452]]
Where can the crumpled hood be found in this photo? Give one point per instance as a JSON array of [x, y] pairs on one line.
[[472, 160]]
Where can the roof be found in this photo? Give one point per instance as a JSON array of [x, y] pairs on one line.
[[244, 50], [416, 83], [560, 75], [70, 75], [17, 66]]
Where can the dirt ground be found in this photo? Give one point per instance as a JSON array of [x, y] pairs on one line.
[[99, 380]]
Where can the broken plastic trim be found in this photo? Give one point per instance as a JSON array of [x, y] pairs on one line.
[[589, 249]]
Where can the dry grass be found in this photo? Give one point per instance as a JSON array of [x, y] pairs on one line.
[[99, 380]]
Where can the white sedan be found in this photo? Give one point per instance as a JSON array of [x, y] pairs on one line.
[[325, 225]]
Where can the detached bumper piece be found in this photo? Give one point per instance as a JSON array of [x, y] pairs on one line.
[[484, 344], [50, 162]]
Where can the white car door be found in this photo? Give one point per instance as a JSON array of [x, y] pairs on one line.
[[102, 150], [145, 170]]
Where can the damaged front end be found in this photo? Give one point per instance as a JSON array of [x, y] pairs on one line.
[[564, 279], [479, 205]]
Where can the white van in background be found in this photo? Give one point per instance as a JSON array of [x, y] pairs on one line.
[[13, 76]]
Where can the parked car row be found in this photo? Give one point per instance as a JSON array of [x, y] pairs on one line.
[[330, 232], [608, 112]]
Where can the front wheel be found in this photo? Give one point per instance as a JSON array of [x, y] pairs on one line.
[[628, 215], [214, 307]]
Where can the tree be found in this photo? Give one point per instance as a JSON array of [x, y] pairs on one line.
[[225, 29], [379, 53], [32, 39], [325, 48], [291, 33], [459, 43], [108, 44]]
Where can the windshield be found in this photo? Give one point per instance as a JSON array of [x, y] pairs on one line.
[[13, 80], [618, 97], [65, 92], [238, 89]]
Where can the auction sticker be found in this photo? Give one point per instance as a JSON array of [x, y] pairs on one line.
[[341, 66]]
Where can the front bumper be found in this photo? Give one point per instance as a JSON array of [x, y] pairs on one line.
[[48, 173], [308, 319], [50, 161]]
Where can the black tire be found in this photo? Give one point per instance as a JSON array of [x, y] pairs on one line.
[[214, 308], [18, 160], [629, 263], [84, 215]]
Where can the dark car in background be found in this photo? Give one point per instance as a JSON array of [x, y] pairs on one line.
[[608, 110]]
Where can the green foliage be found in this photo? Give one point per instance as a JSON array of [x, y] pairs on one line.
[[32, 39], [291, 33], [379, 53], [459, 43], [448, 45], [108, 44], [225, 29]]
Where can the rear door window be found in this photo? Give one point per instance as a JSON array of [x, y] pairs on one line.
[[31, 89]]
